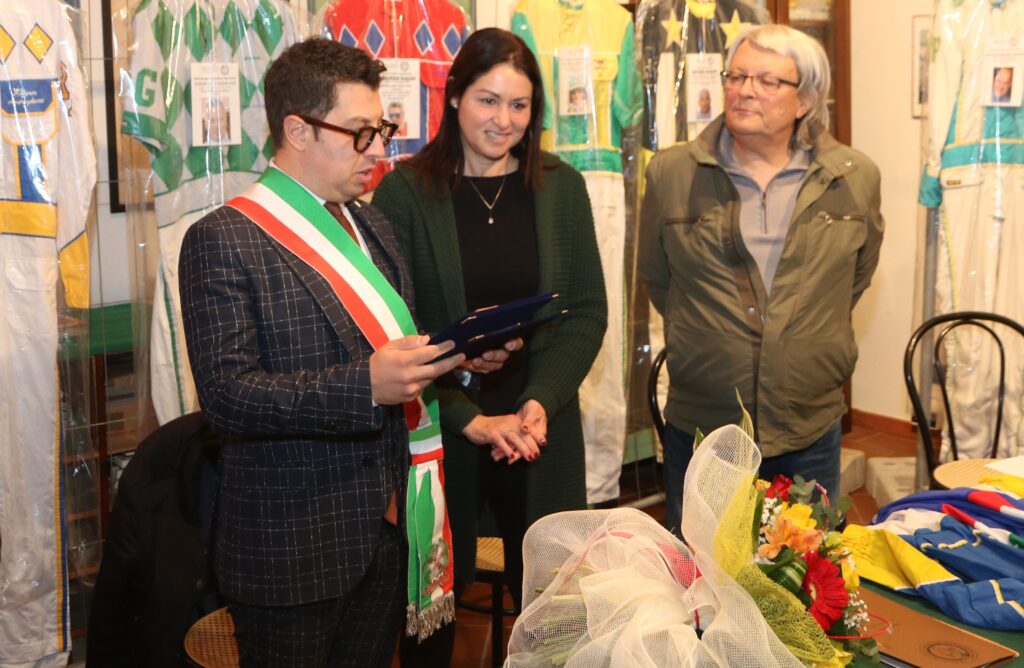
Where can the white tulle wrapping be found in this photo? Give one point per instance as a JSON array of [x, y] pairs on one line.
[[613, 588]]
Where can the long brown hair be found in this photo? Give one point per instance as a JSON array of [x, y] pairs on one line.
[[439, 164]]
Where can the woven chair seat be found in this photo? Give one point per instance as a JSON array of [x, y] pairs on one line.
[[210, 643]]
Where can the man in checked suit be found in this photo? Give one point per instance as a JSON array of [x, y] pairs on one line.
[[308, 546]]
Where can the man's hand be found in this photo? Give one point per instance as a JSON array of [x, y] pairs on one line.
[[400, 369], [535, 421], [504, 433], [492, 360]]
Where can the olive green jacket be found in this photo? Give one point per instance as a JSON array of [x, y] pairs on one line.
[[789, 353], [560, 354]]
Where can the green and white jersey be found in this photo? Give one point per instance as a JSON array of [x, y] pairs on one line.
[[170, 37], [194, 98]]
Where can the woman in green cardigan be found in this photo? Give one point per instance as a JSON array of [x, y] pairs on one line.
[[483, 217]]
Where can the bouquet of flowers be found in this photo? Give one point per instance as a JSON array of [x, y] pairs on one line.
[[798, 548], [762, 581]]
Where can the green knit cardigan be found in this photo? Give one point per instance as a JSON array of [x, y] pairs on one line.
[[560, 355]]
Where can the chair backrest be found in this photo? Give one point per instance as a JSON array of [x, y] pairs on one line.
[[652, 394], [949, 322]]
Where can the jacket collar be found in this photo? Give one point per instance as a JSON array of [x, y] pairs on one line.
[[826, 152]]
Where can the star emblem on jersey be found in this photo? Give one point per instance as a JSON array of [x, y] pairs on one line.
[[374, 38], [424, 38], [733, 28], [673, 29], [38, 42]]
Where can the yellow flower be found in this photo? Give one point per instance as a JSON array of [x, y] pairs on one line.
[[800, 516]]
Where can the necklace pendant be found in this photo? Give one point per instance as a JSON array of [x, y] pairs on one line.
[[490, 220]]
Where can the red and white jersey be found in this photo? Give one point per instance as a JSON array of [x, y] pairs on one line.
[[431, 31]]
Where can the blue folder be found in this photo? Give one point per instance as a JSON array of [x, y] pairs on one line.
[[488, 328]]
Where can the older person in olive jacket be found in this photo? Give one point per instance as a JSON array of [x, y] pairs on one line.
[[756, 241], [482, 216]]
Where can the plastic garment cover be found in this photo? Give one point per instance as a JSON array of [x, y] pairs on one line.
[[975, 175], [682, 47], [417, 40], [614, 588], [587, 57], [194, 99], [47, 176]]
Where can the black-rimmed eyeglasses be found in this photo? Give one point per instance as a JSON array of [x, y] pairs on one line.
[[764, 84], [361, 138]]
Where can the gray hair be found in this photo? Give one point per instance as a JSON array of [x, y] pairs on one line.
[[812, 68]]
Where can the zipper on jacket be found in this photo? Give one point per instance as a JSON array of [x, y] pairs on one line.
[[764, 210]]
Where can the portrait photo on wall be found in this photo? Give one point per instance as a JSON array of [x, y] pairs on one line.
[[216, 104], [703, 87], [1005, 85], [574, 84], [401, 95], [998, 78]]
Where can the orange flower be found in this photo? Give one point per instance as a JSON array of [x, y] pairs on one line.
[[787, 531]]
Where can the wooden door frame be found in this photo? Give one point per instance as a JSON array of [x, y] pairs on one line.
[[779, 9]]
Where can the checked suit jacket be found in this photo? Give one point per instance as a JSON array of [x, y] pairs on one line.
[[283, 370]]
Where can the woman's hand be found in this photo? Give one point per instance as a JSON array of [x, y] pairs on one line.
[[492, 360], [535, 421], [505, 435]]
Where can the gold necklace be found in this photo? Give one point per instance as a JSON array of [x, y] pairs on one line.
[[489, 205]]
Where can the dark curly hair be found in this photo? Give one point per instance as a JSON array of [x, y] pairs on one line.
[[304, 78]]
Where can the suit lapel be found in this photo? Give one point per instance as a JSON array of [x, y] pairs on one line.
[[369, 223], [325, 298]]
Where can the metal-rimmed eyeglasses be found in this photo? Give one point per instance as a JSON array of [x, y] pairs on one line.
[[362, 138], [764, 84]]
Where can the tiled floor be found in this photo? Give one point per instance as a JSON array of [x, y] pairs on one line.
[[473, 630]]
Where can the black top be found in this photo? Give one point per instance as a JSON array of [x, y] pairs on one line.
[[500, 263]]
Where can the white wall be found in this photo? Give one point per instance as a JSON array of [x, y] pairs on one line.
[[884, 130]]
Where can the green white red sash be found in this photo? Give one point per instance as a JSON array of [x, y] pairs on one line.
[[294, 218]]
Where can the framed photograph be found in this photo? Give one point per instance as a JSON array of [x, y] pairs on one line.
[[1002, 73], [920, 59]]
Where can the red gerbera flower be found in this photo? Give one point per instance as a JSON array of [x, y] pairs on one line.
[[824, 584], [779, 489]]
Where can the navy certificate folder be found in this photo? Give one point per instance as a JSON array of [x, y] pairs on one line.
[[490, 327]]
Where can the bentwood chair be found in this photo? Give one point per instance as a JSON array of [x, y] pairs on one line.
[[948, 324], [652, 394], [210, 643]]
